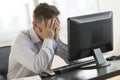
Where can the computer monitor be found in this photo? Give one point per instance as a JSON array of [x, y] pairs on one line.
[[90, 35]]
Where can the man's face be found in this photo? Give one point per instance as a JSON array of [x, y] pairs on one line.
[[45, 22], [53, 22]]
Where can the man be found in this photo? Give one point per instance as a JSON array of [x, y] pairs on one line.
[[33, 50]]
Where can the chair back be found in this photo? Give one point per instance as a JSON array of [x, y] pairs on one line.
[[4, 58]]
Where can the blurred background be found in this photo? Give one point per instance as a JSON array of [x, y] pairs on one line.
[[16, 15]]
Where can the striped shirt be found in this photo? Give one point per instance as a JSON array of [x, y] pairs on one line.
[[30, 56]]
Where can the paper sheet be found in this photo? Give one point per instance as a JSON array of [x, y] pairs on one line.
[[29, 78]]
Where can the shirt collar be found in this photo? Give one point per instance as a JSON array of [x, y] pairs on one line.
[[34, 36]]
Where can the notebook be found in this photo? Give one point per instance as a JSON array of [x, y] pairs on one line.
[[37, 77]]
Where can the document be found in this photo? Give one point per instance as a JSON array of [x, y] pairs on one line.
[[37, 77]]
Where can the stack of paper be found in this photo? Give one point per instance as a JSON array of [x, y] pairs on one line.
[[29, 78]]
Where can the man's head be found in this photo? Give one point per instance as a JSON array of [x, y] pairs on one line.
[[45, 15], [45, 11]]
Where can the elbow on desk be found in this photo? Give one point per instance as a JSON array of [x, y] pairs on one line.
[[38, 70], [39, 67]]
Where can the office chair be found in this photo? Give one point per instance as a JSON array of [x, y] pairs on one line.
[[4, 57]]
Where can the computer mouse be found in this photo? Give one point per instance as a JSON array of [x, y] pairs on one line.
[[48, 73], [114, 57]]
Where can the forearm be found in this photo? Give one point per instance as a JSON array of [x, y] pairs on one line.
[[44, 56], [62, 50], [36, 62]]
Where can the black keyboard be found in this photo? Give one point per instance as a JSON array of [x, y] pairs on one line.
[[76, 66], [73, 66]]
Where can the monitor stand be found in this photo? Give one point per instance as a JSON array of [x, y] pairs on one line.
[[99, 58]]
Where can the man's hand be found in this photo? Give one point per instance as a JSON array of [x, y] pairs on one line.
[[57, 28], [47, 29]]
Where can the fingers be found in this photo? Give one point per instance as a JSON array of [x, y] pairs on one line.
[[57, 28], [57, 23], [53, 24], [43, 24], [51, 28], [57, 20]]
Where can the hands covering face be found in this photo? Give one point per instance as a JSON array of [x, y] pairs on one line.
[[49, 28], [57, 28]]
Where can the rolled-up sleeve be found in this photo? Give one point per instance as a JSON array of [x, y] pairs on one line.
[[62, 50]]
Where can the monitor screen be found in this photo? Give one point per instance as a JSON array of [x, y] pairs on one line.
[[89, 32]]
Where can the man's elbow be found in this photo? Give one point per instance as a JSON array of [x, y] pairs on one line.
[[39, 69]]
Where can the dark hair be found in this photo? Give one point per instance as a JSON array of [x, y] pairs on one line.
[[43, 10]]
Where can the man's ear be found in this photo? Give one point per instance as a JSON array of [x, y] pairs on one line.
[[34, 24]]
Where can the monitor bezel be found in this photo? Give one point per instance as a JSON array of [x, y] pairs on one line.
[[110, 15]]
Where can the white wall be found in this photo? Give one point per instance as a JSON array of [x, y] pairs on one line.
[[69, 8], [113, 5]]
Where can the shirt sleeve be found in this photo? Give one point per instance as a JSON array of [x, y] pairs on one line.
[[26, 56], [62, 50]]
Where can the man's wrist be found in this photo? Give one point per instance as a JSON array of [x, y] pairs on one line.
[[48, 43]]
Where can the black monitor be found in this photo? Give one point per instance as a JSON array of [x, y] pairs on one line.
[[90, 35]]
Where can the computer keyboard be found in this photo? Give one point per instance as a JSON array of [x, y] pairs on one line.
[[76, 66], [71, 67]]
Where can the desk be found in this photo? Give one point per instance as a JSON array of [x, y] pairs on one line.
[[86, 74]]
